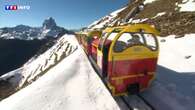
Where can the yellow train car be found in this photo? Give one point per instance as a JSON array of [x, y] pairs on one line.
[[126, 55]]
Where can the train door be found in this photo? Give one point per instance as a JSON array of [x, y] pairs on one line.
[[103, 50], [99, 50]]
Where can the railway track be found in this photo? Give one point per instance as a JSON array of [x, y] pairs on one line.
[[146, 102], [126, 103], [131, 102]]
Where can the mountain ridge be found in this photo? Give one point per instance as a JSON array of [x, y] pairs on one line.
[[24, 32]]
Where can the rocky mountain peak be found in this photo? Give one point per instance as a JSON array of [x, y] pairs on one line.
[[24, 32], [49, 23]]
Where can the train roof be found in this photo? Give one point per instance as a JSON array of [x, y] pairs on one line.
[[145, 28], [133, 28]]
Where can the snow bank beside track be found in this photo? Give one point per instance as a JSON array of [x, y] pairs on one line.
[[70, 85]]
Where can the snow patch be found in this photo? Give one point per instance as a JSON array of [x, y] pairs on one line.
[[174, 86], [174, 50], [148, 1], [137, 20], [115, 13], [108, 19], [159, 14], [187, 5]]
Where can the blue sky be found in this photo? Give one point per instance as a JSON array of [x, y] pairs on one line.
[[71, 14]]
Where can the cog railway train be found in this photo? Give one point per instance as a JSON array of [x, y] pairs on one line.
[[126, 55]]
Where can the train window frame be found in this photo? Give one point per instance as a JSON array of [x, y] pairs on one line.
[[104, 36], [141, 44], [112, 36], [155, 39], [100, 46]]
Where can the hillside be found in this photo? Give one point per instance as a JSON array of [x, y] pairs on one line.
[[63, 87], [20, 43], [15, 52], [170, 17], [35, 67]]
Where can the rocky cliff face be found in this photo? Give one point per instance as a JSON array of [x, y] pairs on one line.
[[49, 28], [49, 23]]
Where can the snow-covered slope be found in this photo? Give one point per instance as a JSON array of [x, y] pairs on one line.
[[148, 1], [178, 53], [108, 20], [70, 85], [36, 67], [187, 5]]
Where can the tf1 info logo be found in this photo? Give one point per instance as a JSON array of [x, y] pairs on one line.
[[16, 7]]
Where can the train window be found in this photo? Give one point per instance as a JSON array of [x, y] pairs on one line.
[[127, 40], [136, 39], [150, 41], [112, 35], [104, 36]]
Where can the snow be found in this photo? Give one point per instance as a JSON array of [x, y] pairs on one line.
[[4, 35], [44, 33], [188, 5], [14, 76], [92, 24], [173, 88], [115, 13], [159, 14], [70, 85], [137, 20], [45, 60], [175, 50], [36, 66], [148, 1], [108, 19]]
